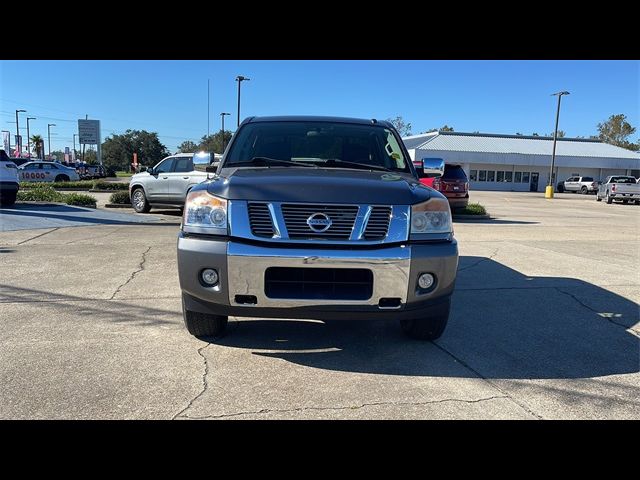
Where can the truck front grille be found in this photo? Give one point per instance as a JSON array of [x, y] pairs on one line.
[[260, 220], [318, 283], [378, 224], [342, 219]]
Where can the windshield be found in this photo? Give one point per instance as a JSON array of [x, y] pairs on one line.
[[325, 144]]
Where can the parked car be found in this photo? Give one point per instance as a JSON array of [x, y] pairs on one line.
[[167, 183], [619, 187], [453, 184], [95, 171], [41, 171], [9, 185], [584, 185], [320, 218]]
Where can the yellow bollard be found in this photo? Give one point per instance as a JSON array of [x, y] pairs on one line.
[[548, 192]]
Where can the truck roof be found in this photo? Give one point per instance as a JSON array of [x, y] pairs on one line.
[[317, 118]]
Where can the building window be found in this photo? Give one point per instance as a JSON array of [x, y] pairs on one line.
[[500, 177], [473, 175], [482, 175], [525, 177], [491, 176], [518, 177], [508, 177]]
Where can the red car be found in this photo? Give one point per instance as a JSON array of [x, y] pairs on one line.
[[453, 184]]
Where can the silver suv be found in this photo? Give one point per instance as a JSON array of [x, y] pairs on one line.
[[167, 183]]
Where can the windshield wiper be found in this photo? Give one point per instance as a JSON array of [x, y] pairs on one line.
[[266, 161], [360, 166]]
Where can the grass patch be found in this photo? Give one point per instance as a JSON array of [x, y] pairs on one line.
[[102, 185], [79, 185], [471, 209], [121, 198], [123, 174], [46, 193]]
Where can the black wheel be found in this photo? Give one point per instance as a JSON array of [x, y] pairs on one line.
[[560, 188], [429, 328], [598, 199], [204, 324], [607, 198], [584, 190], [626, 202], [62, 178], [139, 201], [8, 199]]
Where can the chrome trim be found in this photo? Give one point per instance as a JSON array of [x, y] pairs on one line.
[[274, 221], [240, 227], [390, 268]]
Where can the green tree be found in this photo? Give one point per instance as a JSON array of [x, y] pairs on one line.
[[118, 150], [37, 145], [403, 128], [561, 134], [445, 128], [57, 155], [187, 147], [616, 130], [213, 142]]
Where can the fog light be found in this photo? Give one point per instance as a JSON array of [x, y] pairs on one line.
[[425, 281], [209, 276]]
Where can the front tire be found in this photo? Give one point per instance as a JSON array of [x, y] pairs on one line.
[[8, 199], [204, 324], [584, 190], [139, 201], [598, 198], [429, 328], [608, 199]]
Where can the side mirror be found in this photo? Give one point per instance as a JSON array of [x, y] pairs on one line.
[[433, 167], [149, 170]]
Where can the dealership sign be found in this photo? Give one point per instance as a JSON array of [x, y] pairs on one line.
[[89, 131]]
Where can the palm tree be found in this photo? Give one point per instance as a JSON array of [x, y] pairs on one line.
[[37, 142]]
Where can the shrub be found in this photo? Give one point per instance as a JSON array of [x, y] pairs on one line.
[[80, 185], [80, 199], [472, 209], [40, 193], [121, 198], [102, 185]]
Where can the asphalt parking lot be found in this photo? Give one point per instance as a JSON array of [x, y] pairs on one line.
[[545, 325]]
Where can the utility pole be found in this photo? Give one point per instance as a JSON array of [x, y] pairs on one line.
[[18, 131], [28, 136], [222, 115], [49, 125], [549, 190]]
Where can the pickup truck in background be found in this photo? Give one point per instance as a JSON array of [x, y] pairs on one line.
[[583, 185], [168, 182], [619, 187]]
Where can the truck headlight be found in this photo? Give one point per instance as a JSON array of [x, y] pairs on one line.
[[205, 213], [432, 216]]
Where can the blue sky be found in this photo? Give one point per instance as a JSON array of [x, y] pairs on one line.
[[170, 97]]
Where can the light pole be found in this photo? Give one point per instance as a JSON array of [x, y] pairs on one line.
[[28, 137], [49, 125], [18, 130], [222, 115], [240, 79], [549, 190], [74, 146]]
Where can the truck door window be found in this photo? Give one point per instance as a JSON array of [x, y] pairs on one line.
[[165, 166], [183, 165]]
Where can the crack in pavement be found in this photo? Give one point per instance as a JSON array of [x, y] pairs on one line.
[[38, 236], [490, 257], [205, 383], [350, 407], [133, 274], [591, 309], [522, 405], [93, 237]]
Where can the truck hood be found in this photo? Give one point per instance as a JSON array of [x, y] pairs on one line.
[[321, 185]]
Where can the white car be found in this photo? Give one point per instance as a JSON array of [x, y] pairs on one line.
[[46, 172], [8, 182]]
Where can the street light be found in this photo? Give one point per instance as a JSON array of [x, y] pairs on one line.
[[222, 115], [49, 125], [240, 79], [18, 129], [549, 190], [28, 137]]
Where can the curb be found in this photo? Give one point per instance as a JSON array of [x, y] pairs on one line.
[[51, 204], [471, 217], [108, 191], [118, 205]]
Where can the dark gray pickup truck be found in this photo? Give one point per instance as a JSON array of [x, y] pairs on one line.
[[321, 218]]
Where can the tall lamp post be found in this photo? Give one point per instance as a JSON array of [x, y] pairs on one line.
[[222, 115], [49, 125], [28, 137], [240, 79], [548, 193], [18, 130]]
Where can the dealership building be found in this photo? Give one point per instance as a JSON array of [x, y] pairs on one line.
[[522, 163]]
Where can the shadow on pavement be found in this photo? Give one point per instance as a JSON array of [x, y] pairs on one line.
[[504, 324]]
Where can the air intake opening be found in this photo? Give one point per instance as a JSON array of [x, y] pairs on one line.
[[390, 303], [246, 299]]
